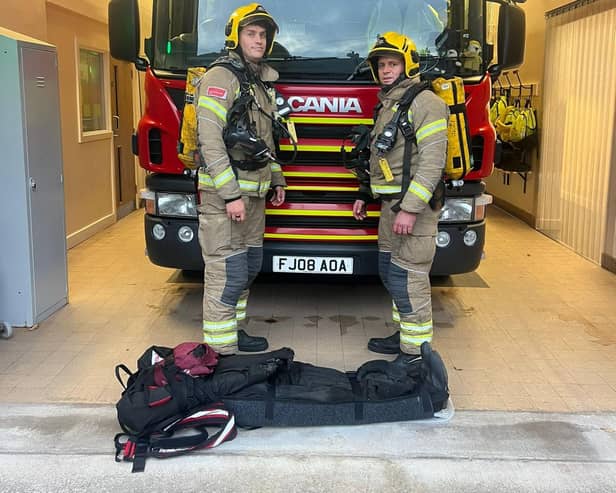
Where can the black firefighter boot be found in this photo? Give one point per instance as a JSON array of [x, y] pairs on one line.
[[385, 345], [414, 361], [250, 344]]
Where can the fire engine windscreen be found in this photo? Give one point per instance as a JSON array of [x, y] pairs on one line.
[[322, 37]]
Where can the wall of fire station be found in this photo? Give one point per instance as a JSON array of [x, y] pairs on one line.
[[87, 165], [25, 17], [87, 169], [509, 189]]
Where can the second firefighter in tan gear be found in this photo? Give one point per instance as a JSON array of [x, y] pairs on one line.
[[233, 188], [406, 238]]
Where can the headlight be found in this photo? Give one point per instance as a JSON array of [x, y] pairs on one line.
[[443, 239], [457, 210], [185, 234], [158, 231], [470, 237], [176, 204]]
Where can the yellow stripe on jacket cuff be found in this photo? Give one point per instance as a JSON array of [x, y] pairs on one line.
[[420, 191]]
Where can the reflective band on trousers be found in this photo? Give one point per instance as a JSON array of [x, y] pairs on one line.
[[214, 106], [431, 129], [220, 333], [420, 191], [395, 314], [386, 189], [415, 340], [240, 309], [416, 334]]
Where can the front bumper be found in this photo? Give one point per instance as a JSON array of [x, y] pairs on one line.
[[456, 258], [170, 251]]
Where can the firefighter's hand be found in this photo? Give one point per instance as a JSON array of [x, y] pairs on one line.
[[279, 195], [403, 225], [236, 211], [359, 210]]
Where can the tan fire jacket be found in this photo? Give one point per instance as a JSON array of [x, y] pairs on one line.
[[215, 96], [429, 116]]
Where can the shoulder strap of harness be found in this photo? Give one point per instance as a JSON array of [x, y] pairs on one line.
[[407, 130], [375, 112], [237, 69]]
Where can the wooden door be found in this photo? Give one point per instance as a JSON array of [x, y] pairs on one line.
[[122, 124]]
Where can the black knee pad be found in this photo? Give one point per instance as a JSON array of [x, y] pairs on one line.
[[236, 268], [398, 288]]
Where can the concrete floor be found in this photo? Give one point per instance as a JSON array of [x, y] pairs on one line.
[[534, 329], [68, 447]]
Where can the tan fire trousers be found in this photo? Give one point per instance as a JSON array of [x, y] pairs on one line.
[[233, 254], [404, 267]]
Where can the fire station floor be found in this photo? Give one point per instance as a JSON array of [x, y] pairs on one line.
[[534, 329]]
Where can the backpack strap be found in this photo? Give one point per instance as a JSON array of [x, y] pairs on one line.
[[131, 448], [126, 371], [376, 110], [407, 130]]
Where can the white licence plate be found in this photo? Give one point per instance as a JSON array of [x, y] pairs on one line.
[[313, 265]]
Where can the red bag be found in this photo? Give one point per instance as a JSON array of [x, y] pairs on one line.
[[192, 358]]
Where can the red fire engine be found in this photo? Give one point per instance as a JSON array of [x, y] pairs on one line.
[[319, 54]]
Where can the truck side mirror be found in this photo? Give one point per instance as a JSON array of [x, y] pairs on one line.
[[124, 32], [494, 71], [511, 36]]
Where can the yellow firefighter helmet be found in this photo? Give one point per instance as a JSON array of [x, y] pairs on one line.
[[392, 43], [243, 16]]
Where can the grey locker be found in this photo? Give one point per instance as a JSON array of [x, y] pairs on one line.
[[33, 275]]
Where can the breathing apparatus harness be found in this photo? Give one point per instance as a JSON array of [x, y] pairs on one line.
[[359, 163], [240, 132]]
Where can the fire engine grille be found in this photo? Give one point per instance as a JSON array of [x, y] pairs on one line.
[[320, 222], [317, 197], [312, 157], [323, 131]]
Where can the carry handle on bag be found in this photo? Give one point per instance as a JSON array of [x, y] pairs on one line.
[[136, 449]]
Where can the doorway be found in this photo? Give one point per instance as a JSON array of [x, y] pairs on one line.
[[122, 124]]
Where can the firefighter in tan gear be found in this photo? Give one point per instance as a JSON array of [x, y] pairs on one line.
[[408, 225], [236, 177]]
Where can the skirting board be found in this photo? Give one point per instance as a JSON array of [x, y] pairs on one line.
[[525, 216], [90, 230], [608, 262]]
